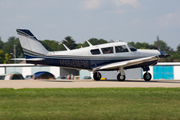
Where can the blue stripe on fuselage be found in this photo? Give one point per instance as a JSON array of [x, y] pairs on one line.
[[82, 62], [74, 63], [85, 64]]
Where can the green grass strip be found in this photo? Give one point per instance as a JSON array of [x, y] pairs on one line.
[[90, 103]]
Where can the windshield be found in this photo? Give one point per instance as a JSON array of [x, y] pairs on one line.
[[121, 48], [132, 48]]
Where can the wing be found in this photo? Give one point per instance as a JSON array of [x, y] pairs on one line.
[[128, 63]]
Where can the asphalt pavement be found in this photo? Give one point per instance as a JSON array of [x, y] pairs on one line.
[[17, 84]]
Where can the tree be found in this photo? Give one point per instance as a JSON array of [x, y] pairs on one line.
[[94, 41], [143, 45], [7, 57], [133, 44], [1, 56], [69, 42], [1, 43], [178, 48], [51, 45], [8, 46], [80, 45], [175, 55]]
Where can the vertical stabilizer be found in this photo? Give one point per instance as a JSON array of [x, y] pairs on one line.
[[31, 46]]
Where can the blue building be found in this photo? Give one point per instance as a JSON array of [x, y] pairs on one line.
[[170, 71]]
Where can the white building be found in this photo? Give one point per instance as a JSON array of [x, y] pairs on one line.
[[30, 69]]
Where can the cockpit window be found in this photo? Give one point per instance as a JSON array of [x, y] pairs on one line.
[[121, 48], [107, 50], [95, 51], [132, 48]]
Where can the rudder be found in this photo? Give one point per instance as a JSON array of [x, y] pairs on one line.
[[31, 46]]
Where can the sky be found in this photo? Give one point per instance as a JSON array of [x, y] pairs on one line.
[[126, 20]]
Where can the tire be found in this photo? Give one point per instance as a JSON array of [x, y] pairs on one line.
[[121, 77], [147, 76], [96, 77]]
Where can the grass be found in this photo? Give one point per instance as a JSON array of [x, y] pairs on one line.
[[90, 103]]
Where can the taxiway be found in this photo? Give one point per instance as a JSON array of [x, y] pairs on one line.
[[17, 84]]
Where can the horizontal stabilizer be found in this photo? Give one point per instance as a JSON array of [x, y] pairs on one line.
[[31, 59], [18, 59]]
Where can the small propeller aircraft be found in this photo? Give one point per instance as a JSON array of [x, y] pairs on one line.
[[105, 57]]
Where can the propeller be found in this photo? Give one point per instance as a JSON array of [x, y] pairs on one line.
[[158, 43], [163, 54]]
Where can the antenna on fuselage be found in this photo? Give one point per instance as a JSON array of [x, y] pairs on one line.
[[119, 41], [66, 47], [89, 43]]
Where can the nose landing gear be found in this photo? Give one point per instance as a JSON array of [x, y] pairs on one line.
[[147, 76]]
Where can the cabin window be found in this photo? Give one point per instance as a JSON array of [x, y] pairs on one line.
[[107, 50], [132, 48], [121, 48], [95, 51]]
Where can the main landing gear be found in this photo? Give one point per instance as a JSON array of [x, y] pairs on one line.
[[97, 76], [121, 76]]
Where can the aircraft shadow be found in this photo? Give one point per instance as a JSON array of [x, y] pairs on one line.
[[113, 80], [152, 81], [56, 80]]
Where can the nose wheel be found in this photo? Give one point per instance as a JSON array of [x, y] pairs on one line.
[[147, 76]]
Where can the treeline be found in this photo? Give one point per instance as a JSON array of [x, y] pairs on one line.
[[7, 48]]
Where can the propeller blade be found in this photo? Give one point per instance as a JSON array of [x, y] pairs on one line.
[[158, 43]]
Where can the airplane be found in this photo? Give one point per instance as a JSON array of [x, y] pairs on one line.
[[118, 56]]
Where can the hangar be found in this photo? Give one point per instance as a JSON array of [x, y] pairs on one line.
[[30, 69]]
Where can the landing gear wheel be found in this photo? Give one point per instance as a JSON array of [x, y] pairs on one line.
[[147, 76], [121, 77], [97, 76]]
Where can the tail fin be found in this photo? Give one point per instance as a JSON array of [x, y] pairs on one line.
[[31, 46]]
